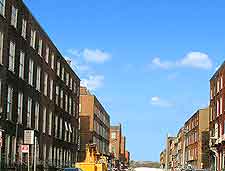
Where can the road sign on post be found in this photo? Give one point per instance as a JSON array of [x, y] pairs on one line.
[[29, 137], [25, 148]]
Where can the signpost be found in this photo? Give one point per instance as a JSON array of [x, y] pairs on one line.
[[25, 149], [29, 140]]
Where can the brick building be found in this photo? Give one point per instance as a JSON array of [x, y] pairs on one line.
[[95, 123], [123, 149], [197, 139], [127, 158], [38, 91], [217, 120], [163, 159], [115, 141]]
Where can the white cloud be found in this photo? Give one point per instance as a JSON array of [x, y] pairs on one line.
[[93, 82], [97, 56], [157, 101], [197, 60], [161, 64], [192, 59]]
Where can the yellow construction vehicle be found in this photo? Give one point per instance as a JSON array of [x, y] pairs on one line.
[[93, 160]]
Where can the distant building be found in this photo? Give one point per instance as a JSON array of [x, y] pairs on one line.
[[115, 141], [163, 159], [123, 149], [127, 158], [197, 139], [94, 123]]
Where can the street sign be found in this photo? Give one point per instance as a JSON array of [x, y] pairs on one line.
[[29, 137], [25, 148]]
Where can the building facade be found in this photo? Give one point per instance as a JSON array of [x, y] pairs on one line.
[[217, 120], [38, 91], [163, 159], [127, 158], [123, 149], [197, 139], [95, 123], [115, 141]]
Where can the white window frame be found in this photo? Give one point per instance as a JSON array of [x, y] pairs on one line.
[[24, 28], [47, 54], [31, 72], [70, 105], [44, 119], [12, 53], [29, 112], [2, 8], [57, 95], [14, 14], [40, 44], [9, 102], [58, 68], [63, 72], [1, 47], [71, 83], [56, 126], [61, 98], [60, 128], [38, 79], [50, 123], [52, 61], [51, 89], [45, 84], [32, 38], [21, 65], [66, 102], [20, 108], [67, 79], [37, 114]]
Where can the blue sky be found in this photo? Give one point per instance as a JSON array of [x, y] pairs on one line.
[[149, 62]]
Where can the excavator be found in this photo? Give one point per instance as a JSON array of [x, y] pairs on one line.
[[93, 160]]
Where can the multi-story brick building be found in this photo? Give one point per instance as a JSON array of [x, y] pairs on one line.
[[217, 120], [196, 139], [95, 123], [180, 148], [115, 141], [38, 91]]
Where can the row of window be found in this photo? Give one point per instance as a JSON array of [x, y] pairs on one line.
[[51, 155], [65, 76], [102, 146], [102, 116], [47, 117], [217, 86], [100, 130], [192, 138]]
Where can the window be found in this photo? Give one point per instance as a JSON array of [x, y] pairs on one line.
[[24, 28], [66, 130], [44, 120], [61, 99], [2, 7], [37, 111], [46, 54], [62, 76], [58, 68], [218, 109], [40, 47], [70, 105], [38, 82], [221, 105], [14, 16], [66, 102], [20, 107], [60, 128], [50, 124], [44, 152], [113, 136], [221, 82], [12, 51], [56, 126], [21, 65], [29, 109], [45, 84], [51, 89], [53, 61], [9, 102], [74, 87], [31, 72], [50, 154], [67, 79], [1, 46], [57, 95], [32, 38], [71, 83], [1, 100], [70, 132]]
